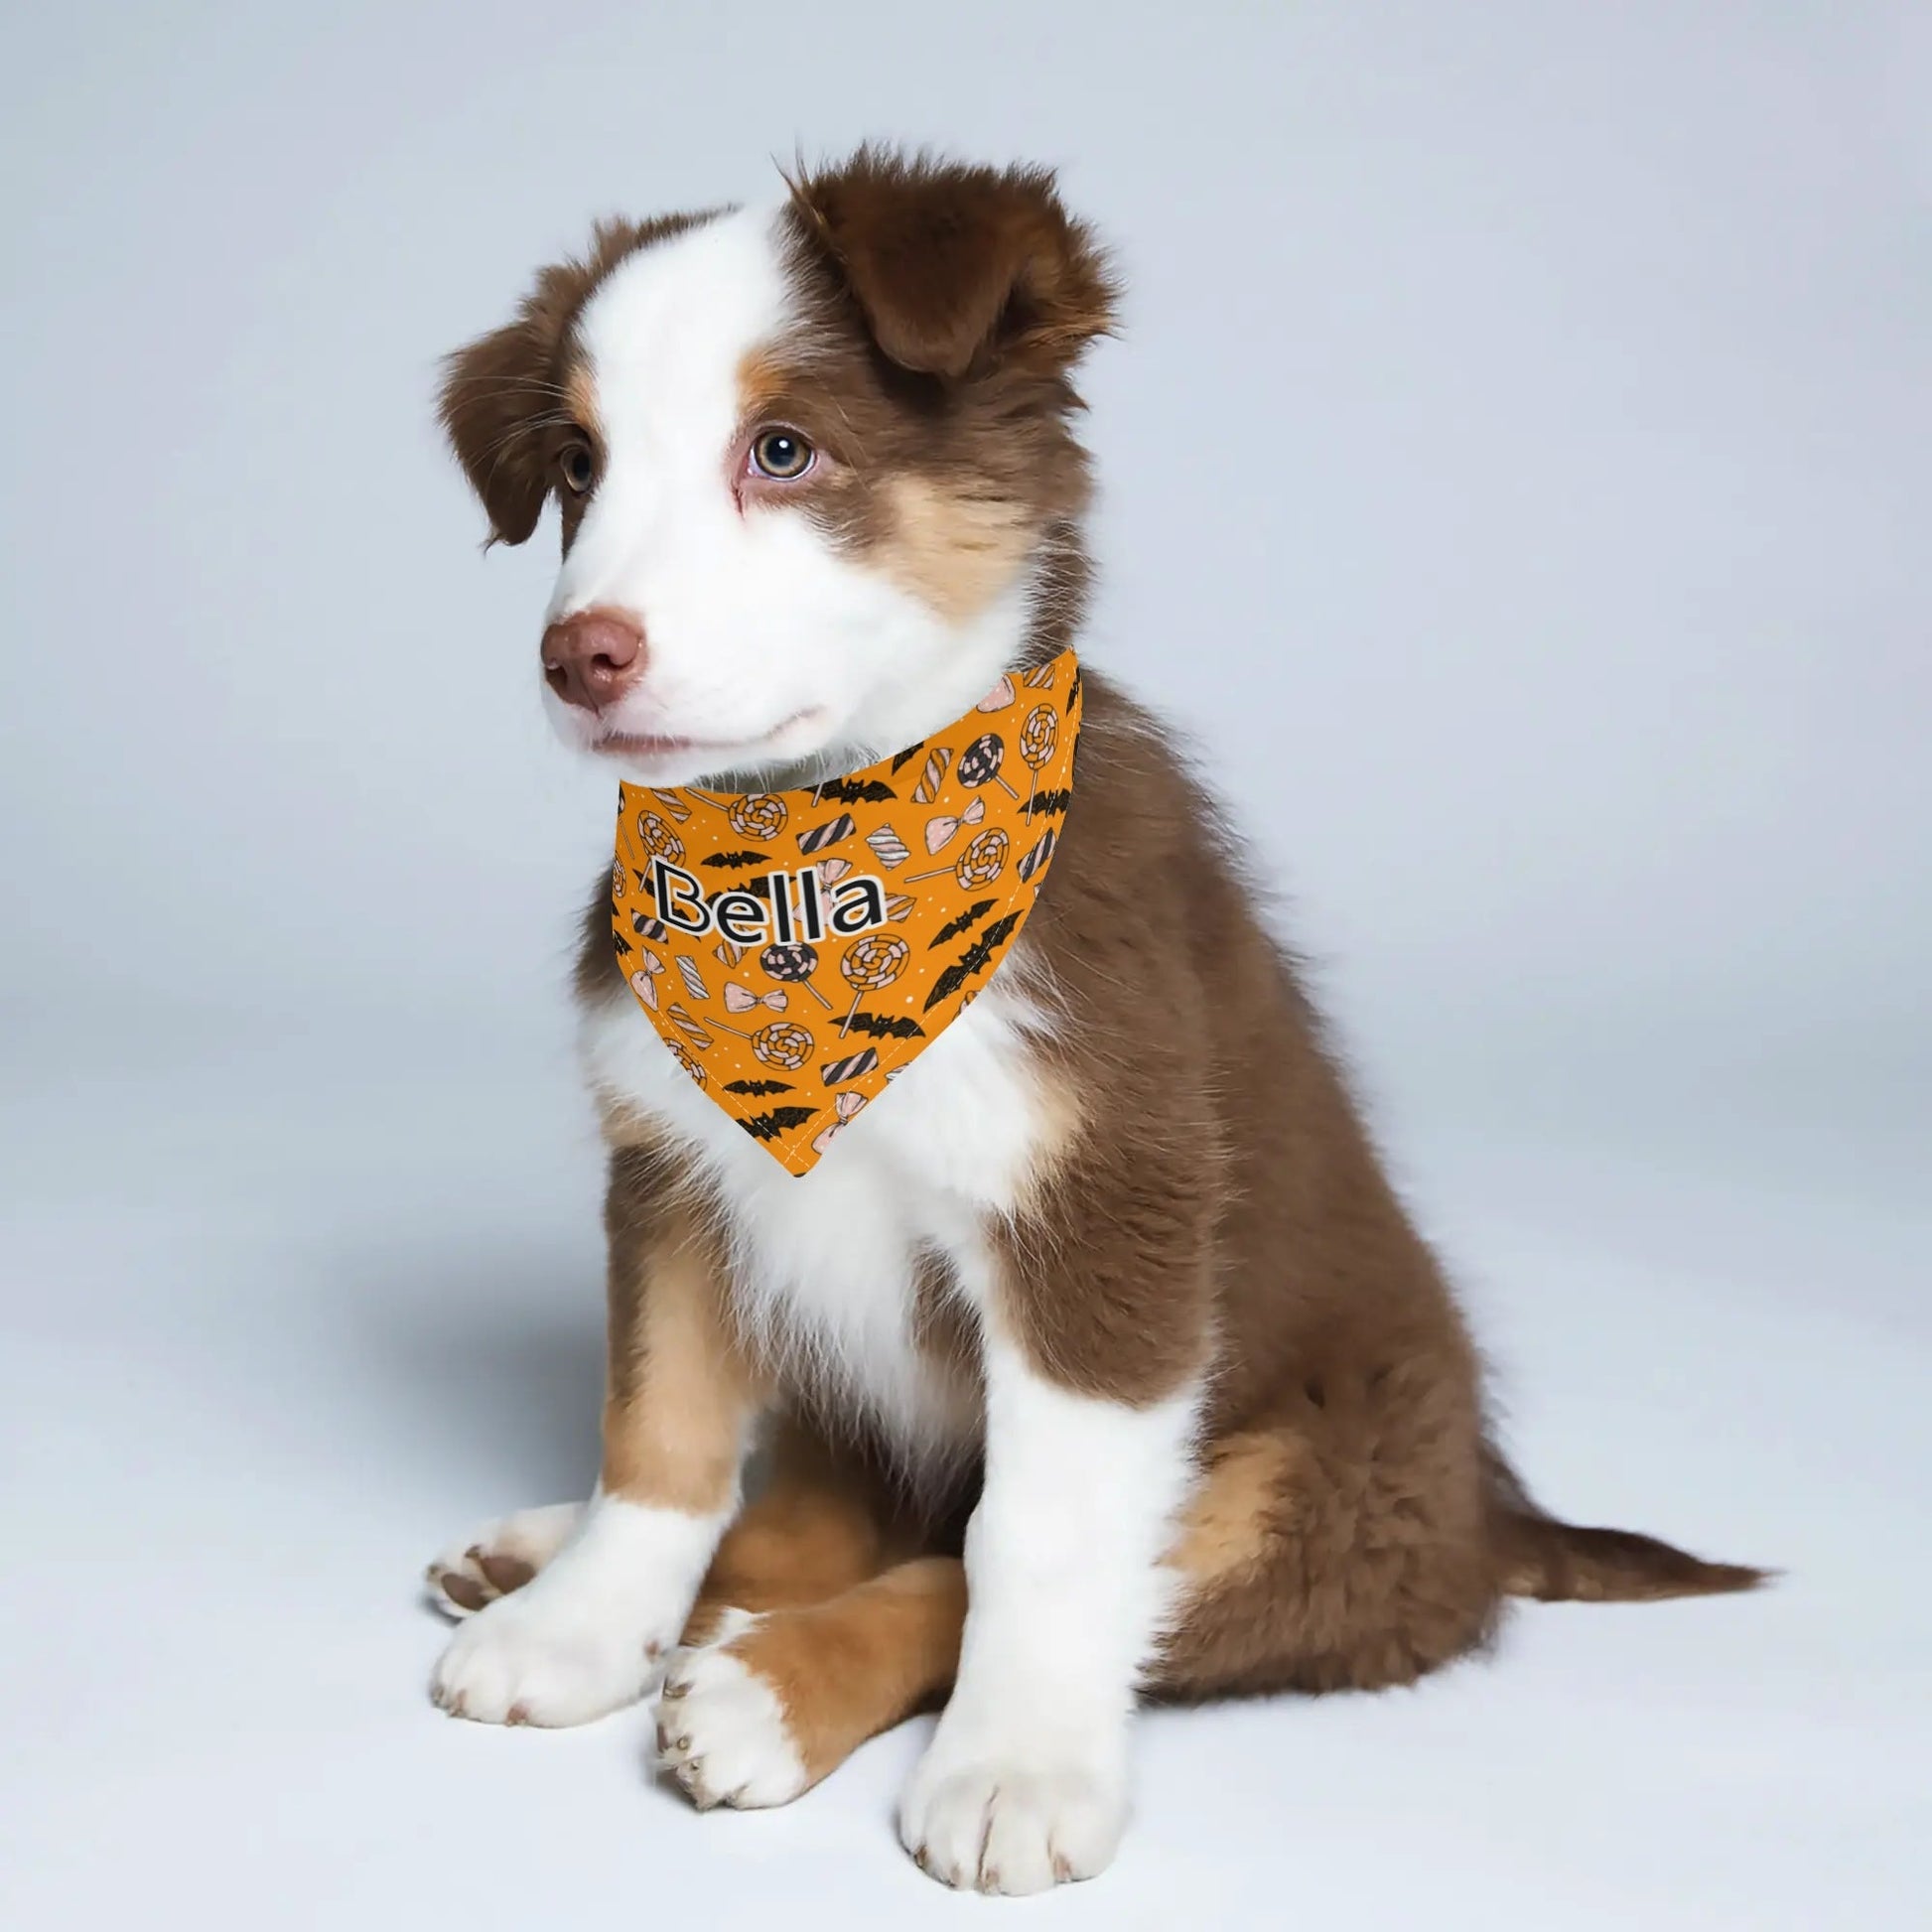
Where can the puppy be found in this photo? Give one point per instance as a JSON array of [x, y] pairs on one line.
[[1097, 1360]]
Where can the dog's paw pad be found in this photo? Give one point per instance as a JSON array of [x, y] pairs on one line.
[[541, 1658], [1011, 1827], [499, 1557], [722, 1728]]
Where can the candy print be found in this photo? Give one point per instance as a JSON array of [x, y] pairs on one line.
[[834, 1073], [843, 1108], [815, 838], [1037, 855], [782, 1044], [871, 964], [978, 763], [889, 955], [941, 828], [658, 839], [642, 980], [983, 861], [888, 847], [933, 776], [760, 816], [688, 1026], [795, 965], [741, 999], [1037, 737], [979, 865]]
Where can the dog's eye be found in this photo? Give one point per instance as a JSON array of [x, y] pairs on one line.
[[578, 467], [780, 453]]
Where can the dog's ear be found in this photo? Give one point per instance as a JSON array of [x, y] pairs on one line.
[[495, 394], [957, 267], [504, 395]]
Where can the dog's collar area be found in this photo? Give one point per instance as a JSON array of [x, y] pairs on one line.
[[797, 948]]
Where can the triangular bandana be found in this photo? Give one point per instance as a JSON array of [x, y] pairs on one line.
[[796, 950]]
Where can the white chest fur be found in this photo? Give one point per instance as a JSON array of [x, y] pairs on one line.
[[824, 1264]]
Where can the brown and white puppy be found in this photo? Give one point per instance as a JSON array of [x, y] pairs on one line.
[[1107, 1321]]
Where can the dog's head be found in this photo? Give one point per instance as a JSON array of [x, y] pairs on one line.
[[812, 460]]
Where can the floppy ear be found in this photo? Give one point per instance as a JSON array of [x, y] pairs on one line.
[[504, 392], [497, 394], [954, 265]]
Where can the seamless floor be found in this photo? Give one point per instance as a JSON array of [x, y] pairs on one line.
[[278, 1321]]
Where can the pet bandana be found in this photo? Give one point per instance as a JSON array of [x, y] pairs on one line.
[[798, 949]]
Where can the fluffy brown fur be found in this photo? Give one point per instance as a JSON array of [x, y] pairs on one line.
[[1213, 1202]]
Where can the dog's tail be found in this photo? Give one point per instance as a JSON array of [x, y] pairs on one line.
[[1563, 1563]]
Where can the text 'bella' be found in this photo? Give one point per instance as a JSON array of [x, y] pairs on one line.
[[750, 917]]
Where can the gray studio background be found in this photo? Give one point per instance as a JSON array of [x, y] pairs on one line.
[[1517, 466]]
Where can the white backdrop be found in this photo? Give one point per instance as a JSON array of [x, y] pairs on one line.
[[1517, 468]]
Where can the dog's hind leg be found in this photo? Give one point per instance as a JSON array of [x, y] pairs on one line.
[[779, 1699]]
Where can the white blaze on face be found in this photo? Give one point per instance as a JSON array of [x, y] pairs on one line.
[[767, 644]]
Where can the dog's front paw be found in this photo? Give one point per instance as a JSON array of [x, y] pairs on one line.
[[499, 1557], [532, 1659], [722, 1728], [1017, 1821]]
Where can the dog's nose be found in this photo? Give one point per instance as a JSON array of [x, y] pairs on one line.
[[591, 659]]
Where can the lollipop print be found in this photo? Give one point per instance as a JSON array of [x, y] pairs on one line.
[[760, 815], [1037, 737], [658, 838], [782, 1044], [794, 966], [978, 763], [980, 864], [873, 963]]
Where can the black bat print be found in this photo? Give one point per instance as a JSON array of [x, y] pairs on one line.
[[737, 860], [885, 1025], [975, 959], [969, 919], [1047, 804], [857, 791], [907, 756], [767, 1127], [755, 1087], [624, 945]]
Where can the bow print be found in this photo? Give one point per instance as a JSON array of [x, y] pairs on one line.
[[741, 999], [642, 980], [847, 1105], [942, 827]]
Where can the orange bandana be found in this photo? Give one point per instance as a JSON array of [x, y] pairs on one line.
[[796, 950]]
